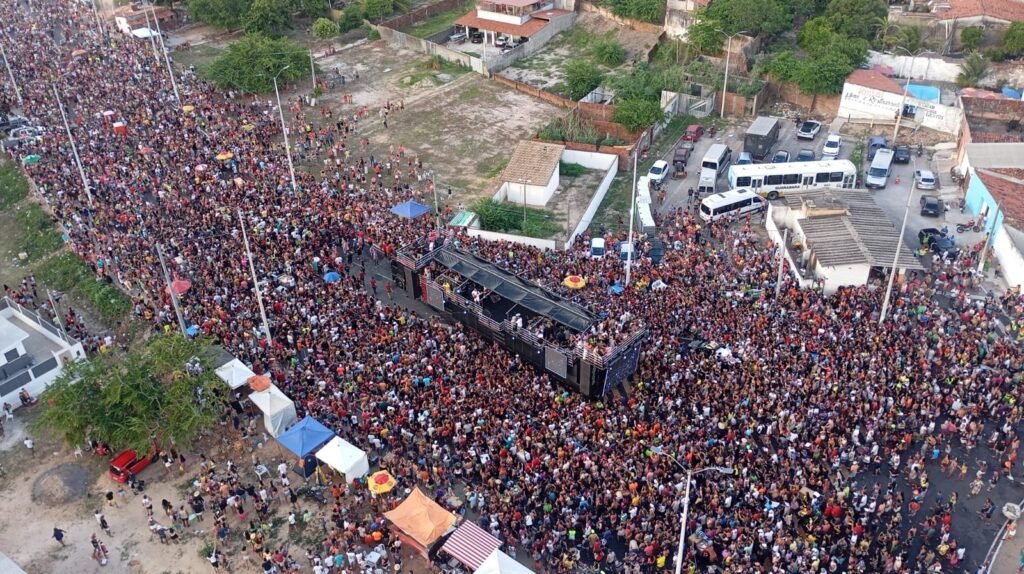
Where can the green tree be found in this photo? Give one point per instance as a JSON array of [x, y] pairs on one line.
[[268, 17], [582, 77], [973, 70], [753, 16], [1013, 40], [608, 52], [325, 28], [150, 397], [816, 36], [351, 18], [971, 37], [885, 31], [703, 34], [310, 8], [377, 10], [824, 75], [784, 66], [636, 115], [644, 10], [226, 14], [910, 38], [250, 64], [856, 18]]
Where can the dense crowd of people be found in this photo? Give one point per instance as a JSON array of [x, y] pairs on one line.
[[830, 424]]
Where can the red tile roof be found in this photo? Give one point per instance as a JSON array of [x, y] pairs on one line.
[[875, 80], [1007, 191], [531, 27], [1008, 10], [1014, 172], [992, 137]]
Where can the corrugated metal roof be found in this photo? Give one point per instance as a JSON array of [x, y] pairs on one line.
[[863, 235]]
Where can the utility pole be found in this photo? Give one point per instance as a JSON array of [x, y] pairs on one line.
[[152, 41], [17, 91], [896, 258], [632, 215], [167, 58], [989, 238], [728, 52], [74, 149], [56, 315], [312, 67], [284, 130], [255, 281], [170, 289]]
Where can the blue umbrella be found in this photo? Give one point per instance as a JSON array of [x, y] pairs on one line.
[[410, 209], [616, 289], [332, 277], [192, 331]]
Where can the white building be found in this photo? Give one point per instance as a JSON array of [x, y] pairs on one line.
[[871, 95], [32, 351], [531, 176], [837, 238]]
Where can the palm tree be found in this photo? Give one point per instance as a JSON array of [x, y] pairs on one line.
[[973, 70], [885, 31]]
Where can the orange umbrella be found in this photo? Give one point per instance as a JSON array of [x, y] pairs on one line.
[[381, 482], [259, 383], [575, 282]]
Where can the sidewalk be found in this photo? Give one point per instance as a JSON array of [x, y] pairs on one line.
[[1007, 553]]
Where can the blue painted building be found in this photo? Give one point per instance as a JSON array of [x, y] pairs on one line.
[[998, 197]]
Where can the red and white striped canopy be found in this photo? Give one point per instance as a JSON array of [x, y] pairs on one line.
[[471, 545]]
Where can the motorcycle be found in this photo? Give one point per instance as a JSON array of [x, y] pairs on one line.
[[972, 225], [920, 150], [955, 175]]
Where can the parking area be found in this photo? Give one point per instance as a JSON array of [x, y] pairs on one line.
[[892, 199]]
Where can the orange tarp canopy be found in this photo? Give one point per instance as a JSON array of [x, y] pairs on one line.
[[422, 519]]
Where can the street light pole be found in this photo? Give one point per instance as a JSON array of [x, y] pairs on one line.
[[728, 53], [284, 129], [167, 59], [989, 237], [312, 67], [255, 281], [170, 289], [632, 215], [74, 149], [896, 258], [906, 86], [17, 91]]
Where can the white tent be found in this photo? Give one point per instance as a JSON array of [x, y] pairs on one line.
[[345, 458], [143, 33], [500, 563], [234, 373], [278, 409]]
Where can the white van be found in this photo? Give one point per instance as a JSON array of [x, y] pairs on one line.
[[881, 167], [718, 157], [734, 201], [597, 247], [707, 182]]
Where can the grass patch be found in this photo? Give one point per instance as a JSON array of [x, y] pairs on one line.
[[470, 93], [198, 56], [430, 68], [39, 236], [509, 218], [491, 166], [13, 185], [570, 169], [438, 22], [67, 272]]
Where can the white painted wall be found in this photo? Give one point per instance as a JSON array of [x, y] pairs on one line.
[[592, 160], [919, 68], [537, 194], [521, 239], [859, 102], [842, 276], [498, 17], [1009, 257]]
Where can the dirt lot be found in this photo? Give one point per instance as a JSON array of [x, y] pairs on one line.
[[545, 69], [461, 125]]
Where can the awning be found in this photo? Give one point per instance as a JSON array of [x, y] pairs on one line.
[[471, 545], [305, 437], [345, 458], [410, 209], [515, 289], [234, 373], [422, 519], [500, 563]]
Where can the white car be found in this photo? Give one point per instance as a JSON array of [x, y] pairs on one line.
[[658, 172], [924, 179], [832, 145], [808, 130]]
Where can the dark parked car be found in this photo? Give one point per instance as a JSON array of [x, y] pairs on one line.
[[932, 206], [781, 156], [476, 38], [930, 234], [876, 143], [693, 132], [805, 155], [902, 154], [681, 155]]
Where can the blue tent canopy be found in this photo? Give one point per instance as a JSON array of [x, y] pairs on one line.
[[332, 277], [305, 437], [410, 209]]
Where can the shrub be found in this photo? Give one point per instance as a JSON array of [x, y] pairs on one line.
[[608, 52], [971, 37], [325, 28]]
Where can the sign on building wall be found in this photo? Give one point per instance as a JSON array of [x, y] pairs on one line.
[[860, 102]]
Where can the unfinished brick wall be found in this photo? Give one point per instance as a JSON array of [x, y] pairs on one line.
[[986, 109]]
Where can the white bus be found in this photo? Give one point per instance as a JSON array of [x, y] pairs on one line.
[[717, 158], [881, 167], [734, 201], [772, 180]]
